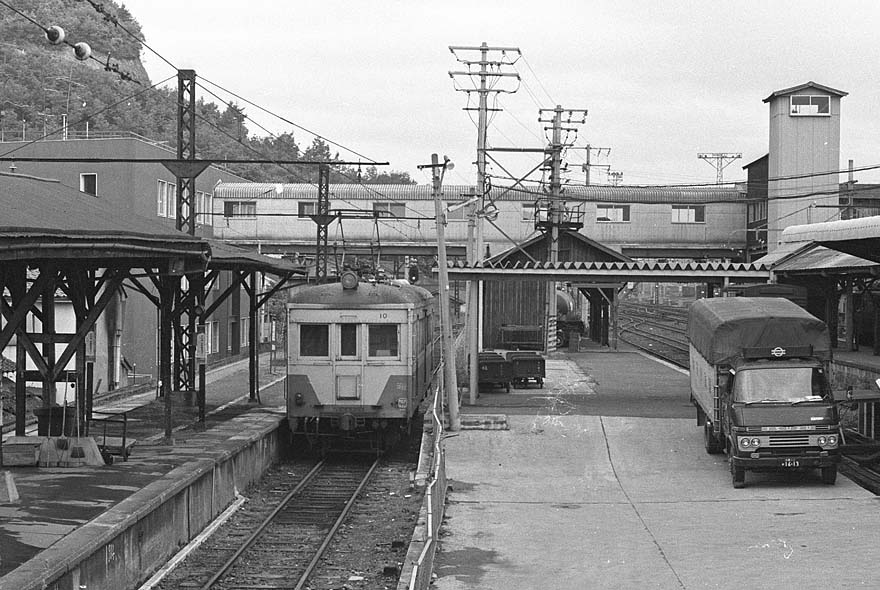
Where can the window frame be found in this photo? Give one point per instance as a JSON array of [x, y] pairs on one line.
[[699, 214], [371, 347], [625, 216], [233, 209], [342, 339], [324, 342], [389, 209], [794, 111], [82, 182]]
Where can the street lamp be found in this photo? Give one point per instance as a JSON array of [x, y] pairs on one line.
[[438, 171]]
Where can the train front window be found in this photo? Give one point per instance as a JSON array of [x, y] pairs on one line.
[[314, 340], [383, 340], [348, 340]]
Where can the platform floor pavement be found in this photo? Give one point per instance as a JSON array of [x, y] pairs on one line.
[[568, 500], [56, 501]]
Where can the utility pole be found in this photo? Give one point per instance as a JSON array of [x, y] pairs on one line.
[[588, 164], [489, 70], [450, 380], [719, 161], [556, 205]]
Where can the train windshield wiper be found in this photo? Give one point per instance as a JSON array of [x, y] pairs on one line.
[[763, 401]]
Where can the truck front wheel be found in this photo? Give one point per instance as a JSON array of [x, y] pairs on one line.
[[737, 474], [829, 475], [713, 445]]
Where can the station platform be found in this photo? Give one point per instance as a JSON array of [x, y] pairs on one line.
[[61, 511], [600, 480]]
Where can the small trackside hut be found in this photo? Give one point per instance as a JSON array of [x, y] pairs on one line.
[[760, 381], [360, 360]]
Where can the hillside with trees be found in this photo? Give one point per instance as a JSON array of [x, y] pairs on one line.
[[46, 92]]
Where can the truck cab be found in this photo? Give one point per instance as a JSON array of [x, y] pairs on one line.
[[781, 414]]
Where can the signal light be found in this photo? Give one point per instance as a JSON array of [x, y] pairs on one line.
[[413, 274], [82, 51], [55, 35]]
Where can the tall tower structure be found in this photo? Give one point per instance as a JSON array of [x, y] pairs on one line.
[[804, 157]]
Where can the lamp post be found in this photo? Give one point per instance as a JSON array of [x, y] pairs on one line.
[[450, 380]]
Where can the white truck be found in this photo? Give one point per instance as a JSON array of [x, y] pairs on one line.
[[759, 369]]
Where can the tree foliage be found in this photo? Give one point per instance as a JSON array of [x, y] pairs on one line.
[[41, 85]]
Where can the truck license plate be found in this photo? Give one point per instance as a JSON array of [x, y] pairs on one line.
[[789, 462]]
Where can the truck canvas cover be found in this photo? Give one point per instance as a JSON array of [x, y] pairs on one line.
[[721, 328]]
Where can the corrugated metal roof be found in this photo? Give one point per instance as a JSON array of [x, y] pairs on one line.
[[417, 192], [847, 229], [822, 259], [225, 255], [783, 252], [44, 214], [804, 86]]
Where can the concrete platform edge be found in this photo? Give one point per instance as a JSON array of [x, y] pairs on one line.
[[126, 544]]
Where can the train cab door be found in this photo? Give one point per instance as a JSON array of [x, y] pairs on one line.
[[348, 364]]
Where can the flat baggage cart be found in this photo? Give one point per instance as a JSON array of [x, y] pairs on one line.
[[527, 367], [494, 370]]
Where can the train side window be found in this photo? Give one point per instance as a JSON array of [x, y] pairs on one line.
[[383, 340], [348, 340], [314, 340]]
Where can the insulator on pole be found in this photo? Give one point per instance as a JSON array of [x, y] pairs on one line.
[[82, 51], [55, 35]]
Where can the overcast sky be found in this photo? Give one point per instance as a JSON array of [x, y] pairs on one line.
[[662, 81]]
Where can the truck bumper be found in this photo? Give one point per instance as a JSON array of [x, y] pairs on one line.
[[757, 461]]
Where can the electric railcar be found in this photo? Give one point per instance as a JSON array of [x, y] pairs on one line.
[[360, 360]]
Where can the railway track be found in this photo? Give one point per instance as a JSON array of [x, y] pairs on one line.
[[277, 540], [660, 331]]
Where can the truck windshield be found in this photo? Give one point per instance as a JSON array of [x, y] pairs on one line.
[[782, 384]]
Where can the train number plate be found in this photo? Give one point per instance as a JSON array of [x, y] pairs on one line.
[[789, 462]]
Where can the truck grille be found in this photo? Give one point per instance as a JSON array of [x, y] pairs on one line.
[[789, 440]]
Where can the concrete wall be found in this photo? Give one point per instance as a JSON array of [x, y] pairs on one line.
[[123, 547]]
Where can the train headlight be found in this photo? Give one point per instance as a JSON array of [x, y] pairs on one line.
[[299, 400], [401, 403]]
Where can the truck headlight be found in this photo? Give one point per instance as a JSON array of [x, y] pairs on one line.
[[827, 441], [749, 443]]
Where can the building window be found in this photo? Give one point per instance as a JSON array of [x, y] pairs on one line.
[[612, 213], [390, 209], [244, 337], [383, 340], [688, 214], [306, 208], [88, 183], [313, 340], [811, 105], [240, 209], [215, 336], [172, 200], [162, 199], [204, 206]]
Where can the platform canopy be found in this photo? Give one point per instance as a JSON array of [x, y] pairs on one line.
[[859, 237], [612, 272]]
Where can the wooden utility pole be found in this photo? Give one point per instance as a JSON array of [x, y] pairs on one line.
[[488, 70], [450, 380]]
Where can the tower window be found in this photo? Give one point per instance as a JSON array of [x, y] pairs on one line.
[[811, 105]]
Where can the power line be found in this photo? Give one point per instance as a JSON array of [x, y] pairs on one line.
[[81, 50]]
